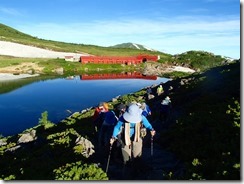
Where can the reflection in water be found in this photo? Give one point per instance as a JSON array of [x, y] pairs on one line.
[[10, 85], [126, 75]]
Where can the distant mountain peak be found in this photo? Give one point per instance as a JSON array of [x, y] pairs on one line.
[[132, 46]]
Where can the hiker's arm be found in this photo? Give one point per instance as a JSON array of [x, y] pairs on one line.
[[146, 123], [117, 129]]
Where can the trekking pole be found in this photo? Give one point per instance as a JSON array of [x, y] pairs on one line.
[[110, 149], [151, 146]]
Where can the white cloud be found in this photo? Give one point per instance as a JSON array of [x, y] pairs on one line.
[[173, 36], [10, 11]]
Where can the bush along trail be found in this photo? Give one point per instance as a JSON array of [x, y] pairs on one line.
[[199, 140]]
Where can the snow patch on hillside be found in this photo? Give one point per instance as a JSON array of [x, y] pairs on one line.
[[147, 48], [136, 46], [183, 69], [20, 50]]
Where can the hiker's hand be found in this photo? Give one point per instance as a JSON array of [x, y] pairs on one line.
[[112, 140], [153, 132]]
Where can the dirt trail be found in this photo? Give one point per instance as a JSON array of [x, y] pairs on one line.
[[155, 163]]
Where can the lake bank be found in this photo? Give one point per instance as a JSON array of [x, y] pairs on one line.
[[14, 72], [10, 76]]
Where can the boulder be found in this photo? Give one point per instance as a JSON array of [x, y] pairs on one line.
[[88, 147], [27, 137]]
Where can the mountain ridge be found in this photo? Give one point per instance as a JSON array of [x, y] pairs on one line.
[[133, 46]]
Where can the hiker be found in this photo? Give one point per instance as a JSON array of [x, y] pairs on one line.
[[149, 94], [131, 141], [120, 109], [160, 90], [98, 116], [116, 154], [165, 108], [146, 111], [106, 131], [149, 90]]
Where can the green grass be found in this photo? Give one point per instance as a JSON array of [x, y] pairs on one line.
[[202, 130], [13, 35], [194, 59], [9, 60]]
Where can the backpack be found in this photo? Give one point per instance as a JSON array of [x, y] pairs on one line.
[[121, 136], [110, 118]]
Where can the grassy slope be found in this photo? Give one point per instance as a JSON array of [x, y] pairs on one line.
[[204, 135], [13, 35]]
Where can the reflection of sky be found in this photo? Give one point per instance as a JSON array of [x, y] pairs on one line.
[[21, 108]]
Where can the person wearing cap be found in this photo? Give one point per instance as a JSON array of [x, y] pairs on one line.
[[120, 109], [98, 116], [149, 90], [130, 135], [149, 94], [106, 130]]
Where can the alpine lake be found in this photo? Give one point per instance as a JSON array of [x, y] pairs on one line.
[[22, 101]]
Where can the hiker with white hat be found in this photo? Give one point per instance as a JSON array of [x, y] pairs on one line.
[[131, 140], [165, 108]]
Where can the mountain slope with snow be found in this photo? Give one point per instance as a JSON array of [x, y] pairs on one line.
[[133, 46]]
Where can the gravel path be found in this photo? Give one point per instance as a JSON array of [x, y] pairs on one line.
[[20, 50]]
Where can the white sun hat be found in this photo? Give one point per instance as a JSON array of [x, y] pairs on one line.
[[167, 98], [133, 114]]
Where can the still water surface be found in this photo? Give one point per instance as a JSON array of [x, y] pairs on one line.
[[21, 109]]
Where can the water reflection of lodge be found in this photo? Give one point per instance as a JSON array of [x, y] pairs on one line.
[[128, 60], [127, 75]]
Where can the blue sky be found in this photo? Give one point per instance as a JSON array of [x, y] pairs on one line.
[[171, 26]]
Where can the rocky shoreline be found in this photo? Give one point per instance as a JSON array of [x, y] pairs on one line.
[[8, 73], [159, 69]]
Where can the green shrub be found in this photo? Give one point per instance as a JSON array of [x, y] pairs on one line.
[[10, 177], [43, 121], [79, 171]]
